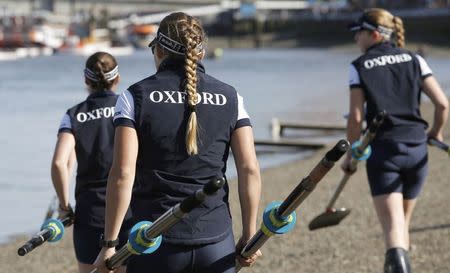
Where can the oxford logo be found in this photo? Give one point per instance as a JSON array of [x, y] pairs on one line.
[[387, 59], [178, 97], [105, 112]]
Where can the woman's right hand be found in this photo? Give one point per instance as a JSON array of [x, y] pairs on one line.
[[347, 166], [65, 211], [100, 262], [245, 262]]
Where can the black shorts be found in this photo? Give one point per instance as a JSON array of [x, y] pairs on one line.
[[169, 258], [397, 167], [86, 242]]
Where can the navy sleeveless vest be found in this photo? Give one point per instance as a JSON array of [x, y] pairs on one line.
[[165, 173], [391, 80], [93, 129]]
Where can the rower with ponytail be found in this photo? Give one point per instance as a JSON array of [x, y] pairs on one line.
[[391, 78], [174, 130]]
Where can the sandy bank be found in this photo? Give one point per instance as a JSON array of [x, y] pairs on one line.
[[356, 245]]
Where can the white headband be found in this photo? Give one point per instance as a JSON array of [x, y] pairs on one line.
[[109, 76]]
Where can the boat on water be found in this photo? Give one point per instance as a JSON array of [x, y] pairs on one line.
[[24, 52], [141, 35], [98, 40], [37, 35]]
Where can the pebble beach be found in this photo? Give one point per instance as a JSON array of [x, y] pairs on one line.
[[354, 246]]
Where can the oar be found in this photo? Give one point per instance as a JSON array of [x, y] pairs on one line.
[[52, 231], [441, 145], [280, 217], [360, 151], [52, 208], [145, 236]]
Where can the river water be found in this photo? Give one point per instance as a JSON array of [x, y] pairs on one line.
[[290, 84]]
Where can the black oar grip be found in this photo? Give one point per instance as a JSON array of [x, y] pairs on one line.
[[25, 249], [37, 240], [377, 121], [337, 151], [214, 185], [197, 198]]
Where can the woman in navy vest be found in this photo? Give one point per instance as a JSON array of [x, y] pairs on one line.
[[388, 77], [174, 130], [87, 133]]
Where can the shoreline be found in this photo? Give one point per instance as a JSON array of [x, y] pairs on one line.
[[355, 245], [267, 41]]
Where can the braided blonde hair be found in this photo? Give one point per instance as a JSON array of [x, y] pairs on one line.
[[384, 18], [188, 31]]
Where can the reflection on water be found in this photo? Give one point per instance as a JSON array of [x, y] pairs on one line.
[[290, 84]]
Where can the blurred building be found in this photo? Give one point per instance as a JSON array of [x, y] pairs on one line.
[[113, 6], [398, 4]]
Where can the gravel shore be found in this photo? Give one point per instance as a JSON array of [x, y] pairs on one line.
[[355, 245]]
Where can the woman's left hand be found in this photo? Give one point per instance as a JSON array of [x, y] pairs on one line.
[[435, 135], [244, 262], [66, 211], [347, 166], [104, 254]]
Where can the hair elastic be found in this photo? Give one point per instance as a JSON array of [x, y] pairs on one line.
[[192, 108]]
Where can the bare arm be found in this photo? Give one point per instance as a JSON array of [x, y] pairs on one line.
[[354, 123], [439, 99], [62, 167], [72, 160], [249, 178], [120, 180], [356, 114]]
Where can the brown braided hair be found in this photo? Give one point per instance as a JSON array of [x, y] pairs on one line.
[[399, 31], [100, 63], [188, 31], [384, 18]]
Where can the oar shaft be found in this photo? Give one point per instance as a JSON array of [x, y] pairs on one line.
[[367, 138], [298, 195], [307, 185], [164, 222], [441, 145], [338, 191], [167, 220], [41, 237]]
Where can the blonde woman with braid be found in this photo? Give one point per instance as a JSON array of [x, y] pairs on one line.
[[388, 77], [87, 131], [174, 131]]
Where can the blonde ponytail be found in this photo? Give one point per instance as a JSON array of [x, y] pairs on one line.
[[399, 32], [191, 59], [191, 90], [384, 18], [187, 30]]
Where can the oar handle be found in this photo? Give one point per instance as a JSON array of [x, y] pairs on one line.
[[441, 145], [196, 199], [338, 191], [377, 121], [45, 234], [37, 240], [308, 183], [367, 138], [284, 213], [372, 131], [152, 231]]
